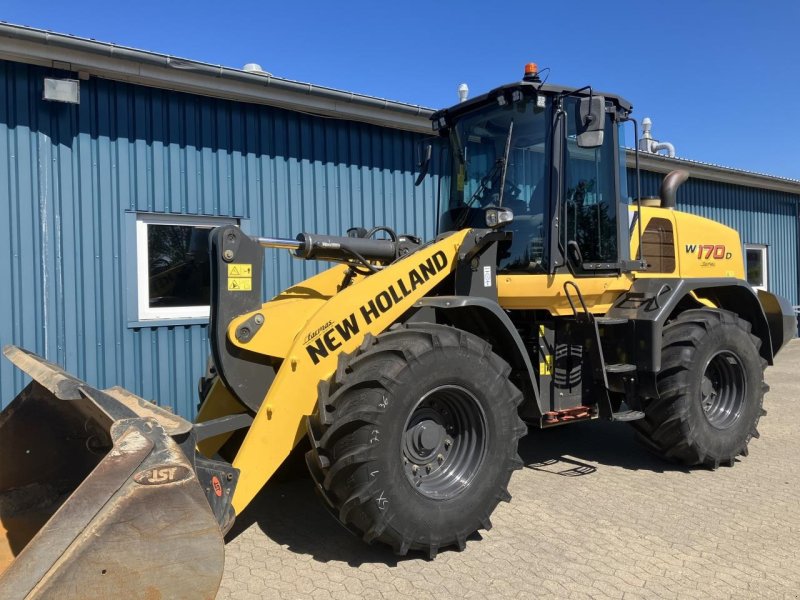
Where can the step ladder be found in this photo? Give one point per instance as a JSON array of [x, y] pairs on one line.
[[600, 367]]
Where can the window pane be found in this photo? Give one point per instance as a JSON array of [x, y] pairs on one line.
[[590, 206], [755, 266], [178, 265]]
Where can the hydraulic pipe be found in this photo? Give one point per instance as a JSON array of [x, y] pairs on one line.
[[268, 242], [330, 247]]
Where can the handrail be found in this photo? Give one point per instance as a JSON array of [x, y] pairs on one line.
[[580, 299]]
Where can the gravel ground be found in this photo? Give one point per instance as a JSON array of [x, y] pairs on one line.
[[592, 515]]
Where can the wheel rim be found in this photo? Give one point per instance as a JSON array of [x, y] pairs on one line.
[[722, 389], [444, 442]]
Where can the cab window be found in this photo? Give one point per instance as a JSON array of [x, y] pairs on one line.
[[589, 207]]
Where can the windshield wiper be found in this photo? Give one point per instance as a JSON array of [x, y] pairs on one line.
[[456, 141], [505, 163], [500, 163]]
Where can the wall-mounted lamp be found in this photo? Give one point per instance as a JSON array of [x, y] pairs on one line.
[[62, 90]]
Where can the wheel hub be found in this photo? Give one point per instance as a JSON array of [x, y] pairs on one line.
[[422, 440], [444, 442], [722, 389]]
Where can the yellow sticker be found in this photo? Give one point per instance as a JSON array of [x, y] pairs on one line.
[[240, 270], [240, 284], [546, 366]]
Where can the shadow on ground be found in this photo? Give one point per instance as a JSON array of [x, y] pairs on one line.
[[563, 450], [291, 514]]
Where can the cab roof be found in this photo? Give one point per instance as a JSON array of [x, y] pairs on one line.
[[528, 88]]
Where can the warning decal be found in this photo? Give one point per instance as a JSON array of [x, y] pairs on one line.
[[240, 284], [240, 277], [240, 270]]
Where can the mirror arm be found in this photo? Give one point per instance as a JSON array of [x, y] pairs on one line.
[[642, 263], [424, 164], [563, 95], [560, 114]]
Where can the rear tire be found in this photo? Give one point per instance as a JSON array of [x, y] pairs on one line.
[[415, 438], [711, 390]]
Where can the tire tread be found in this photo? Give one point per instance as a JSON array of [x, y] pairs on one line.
[[342, 411]]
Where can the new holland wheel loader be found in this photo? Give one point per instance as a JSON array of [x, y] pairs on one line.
[[411, 368]]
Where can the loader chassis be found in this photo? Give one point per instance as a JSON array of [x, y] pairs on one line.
[[575, 310], [409, 371]]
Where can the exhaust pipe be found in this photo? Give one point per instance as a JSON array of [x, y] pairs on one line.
[[670, 185]]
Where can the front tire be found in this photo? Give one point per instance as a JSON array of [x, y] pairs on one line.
[[415, 438], [711, 390]]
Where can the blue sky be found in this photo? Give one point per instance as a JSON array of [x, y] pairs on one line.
[[721, 80]]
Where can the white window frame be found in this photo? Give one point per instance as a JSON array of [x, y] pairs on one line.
[[763, 249], [145, 311]]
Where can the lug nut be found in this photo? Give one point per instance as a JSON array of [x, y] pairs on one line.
[[440, 458], [414, 469], [427, 468], [447, 443]]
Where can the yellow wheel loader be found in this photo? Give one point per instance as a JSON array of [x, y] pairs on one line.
[[411, 368]]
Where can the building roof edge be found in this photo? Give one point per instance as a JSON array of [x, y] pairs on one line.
[[700, 170], [102, 59], [122, 63]]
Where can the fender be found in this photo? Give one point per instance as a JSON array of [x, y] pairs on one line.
[[651, 302], [485, 318], [781, 318]]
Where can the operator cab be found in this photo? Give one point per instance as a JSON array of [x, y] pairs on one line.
[[552, 155]]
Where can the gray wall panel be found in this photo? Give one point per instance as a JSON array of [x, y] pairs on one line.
[[71, 176]]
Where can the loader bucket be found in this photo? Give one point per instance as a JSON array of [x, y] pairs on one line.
[[102, 495]]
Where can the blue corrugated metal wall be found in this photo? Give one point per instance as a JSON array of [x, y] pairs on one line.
[[71, 176], [760, 216]]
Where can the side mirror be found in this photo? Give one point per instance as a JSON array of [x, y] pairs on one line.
[[591, 121], [424, 153]]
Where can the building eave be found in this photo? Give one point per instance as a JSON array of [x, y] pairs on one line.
[[662, 164], [99, 59]]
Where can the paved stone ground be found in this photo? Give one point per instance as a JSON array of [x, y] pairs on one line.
[[593, 515]]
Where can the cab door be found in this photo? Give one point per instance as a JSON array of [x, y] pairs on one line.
[[587, 209]]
